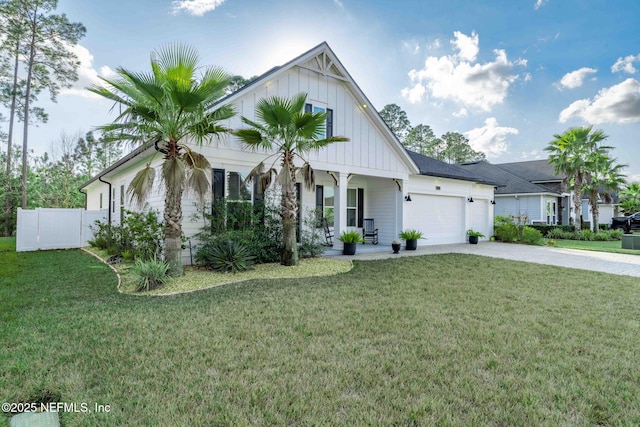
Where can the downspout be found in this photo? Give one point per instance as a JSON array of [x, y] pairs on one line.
[[85, 198], [109, 205]]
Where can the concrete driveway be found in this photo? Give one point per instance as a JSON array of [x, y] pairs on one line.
[[622, 264]]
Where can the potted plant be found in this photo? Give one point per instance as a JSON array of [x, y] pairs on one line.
[[350, 239], [395, 245], [411, 236], [473, 236]]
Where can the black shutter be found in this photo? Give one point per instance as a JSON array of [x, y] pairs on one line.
[[218, 184], [360, 206], [329, 122]]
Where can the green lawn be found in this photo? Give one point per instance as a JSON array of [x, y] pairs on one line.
[[611, 246], [433, 340]]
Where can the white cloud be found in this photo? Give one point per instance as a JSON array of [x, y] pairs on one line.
[[533, 155], [491, 138], [460, 79], [633, 178], [539, 4], [468, 46], [615, 104], [339, 3], [87, 75], [575, 78], [196, 7], [625, 64]]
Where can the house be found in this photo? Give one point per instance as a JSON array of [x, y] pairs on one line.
[[370, 176], [528, 188], [532, 188]]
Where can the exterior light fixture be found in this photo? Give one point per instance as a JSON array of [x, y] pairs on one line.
[[470, 200], [407, 198]]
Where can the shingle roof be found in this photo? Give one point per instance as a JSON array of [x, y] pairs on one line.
[[512, 184], [532, 171], [432, 167]]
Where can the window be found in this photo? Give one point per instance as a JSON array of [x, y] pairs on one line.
[[100, 200], [325, 202], [308, 108], [239, 200], [355, 207], [121, 202], [352, 207], [113, 201]]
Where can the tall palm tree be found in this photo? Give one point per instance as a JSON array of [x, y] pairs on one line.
[[603, 177], [168, 107], [569, 157], [284, 127]]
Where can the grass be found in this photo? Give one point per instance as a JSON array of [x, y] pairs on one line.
[[433, 340], [614, 246], [198, 279]]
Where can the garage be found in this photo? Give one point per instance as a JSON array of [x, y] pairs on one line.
[[440, 218], [480, 216]]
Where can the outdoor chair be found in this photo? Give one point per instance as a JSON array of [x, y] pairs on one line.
[[369, 231], [328, 233]]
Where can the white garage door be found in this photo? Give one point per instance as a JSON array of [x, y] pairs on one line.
[[440, 218], [480, 216]]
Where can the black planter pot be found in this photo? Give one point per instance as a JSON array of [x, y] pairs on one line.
[[349, 248], [473, 240], [412, 244], [395, 247]]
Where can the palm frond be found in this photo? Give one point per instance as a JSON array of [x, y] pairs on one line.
[[141, 186], [194, 159], [284, 177], [252, 138], [254, 173], [198, 183], [308, 176], [266, 179], [173, 174]]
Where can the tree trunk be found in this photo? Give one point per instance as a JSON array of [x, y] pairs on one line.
[[25, 134], [12, 114], [595, 213], [577, 204], [288, 205], [173, 230]]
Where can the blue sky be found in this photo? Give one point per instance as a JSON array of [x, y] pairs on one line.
[[508, 74]]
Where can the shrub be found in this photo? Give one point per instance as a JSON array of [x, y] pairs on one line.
[[258, 227], [225, 255], [586, 235], [506, 232], [615, 234], [149, 274], [531, 236], [312, 241], [558, 233], [139, 236]]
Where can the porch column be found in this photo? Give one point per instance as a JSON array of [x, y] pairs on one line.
[[340, 206]]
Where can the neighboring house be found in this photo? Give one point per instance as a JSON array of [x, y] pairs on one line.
[[527, 189], [371, 176], [532, 188]]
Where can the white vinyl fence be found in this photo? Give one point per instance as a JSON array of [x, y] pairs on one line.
[[49, 228]]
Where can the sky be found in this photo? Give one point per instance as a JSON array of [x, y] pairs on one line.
[[508, 74]]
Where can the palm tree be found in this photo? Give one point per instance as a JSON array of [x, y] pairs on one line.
[[630, 199], [172, 104], [604, 176], [569, 157], [291, 132]]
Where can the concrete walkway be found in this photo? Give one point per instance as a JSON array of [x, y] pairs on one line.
[[622, 264]]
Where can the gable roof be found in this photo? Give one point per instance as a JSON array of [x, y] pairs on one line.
[[432, 167], [320, 59], [512, 184]]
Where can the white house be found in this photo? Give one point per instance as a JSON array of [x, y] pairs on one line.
[[371, 176]]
